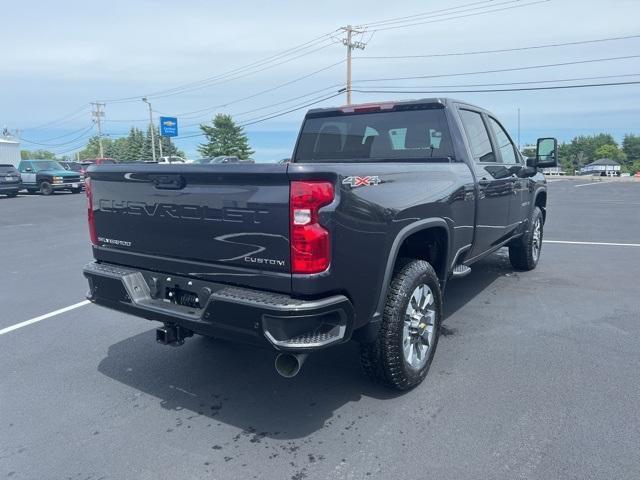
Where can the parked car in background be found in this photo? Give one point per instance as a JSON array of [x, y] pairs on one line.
[[10, 181], [75, 167], [171, 159], [47, 176]]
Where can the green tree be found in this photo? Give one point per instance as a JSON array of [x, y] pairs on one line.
[[611, 151], [224, 137], [585, 144], [92, 150], [631, 147], [37, 155], [132, 145]]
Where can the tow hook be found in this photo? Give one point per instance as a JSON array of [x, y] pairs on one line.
[[172, 335]]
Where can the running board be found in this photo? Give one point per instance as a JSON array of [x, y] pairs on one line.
[[460, 271]]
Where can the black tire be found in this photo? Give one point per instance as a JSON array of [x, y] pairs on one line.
[[76, 190], [384, 359], [46, 188], [524, 253], [11, 195]]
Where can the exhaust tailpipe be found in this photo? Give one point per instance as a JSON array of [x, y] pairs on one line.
[[289, 364]]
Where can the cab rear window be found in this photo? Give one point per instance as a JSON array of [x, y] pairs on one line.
[[368, 137]]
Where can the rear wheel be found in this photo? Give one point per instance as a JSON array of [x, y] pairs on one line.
[[401, 355], [525, 252], [13, 194], [46, 188]]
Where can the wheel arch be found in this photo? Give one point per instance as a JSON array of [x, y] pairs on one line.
[[419, 232], [408, 243], [540, 200]]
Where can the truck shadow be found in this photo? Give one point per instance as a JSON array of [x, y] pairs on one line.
[[237, 385]]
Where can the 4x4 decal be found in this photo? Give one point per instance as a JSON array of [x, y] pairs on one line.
[[361, 181]]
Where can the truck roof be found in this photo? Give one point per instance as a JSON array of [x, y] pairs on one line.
[[444, 101]]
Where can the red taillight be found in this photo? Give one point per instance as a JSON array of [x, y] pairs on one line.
[[92, 224], [310, 247]]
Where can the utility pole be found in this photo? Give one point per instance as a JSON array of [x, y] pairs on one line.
[[153, 135], [97, 115], [518, 128], [351, 44]]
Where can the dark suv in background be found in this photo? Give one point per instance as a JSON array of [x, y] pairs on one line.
[[10, 181]]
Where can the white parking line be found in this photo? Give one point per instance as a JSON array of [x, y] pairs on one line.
[[591, 183], [607, 244], [43, 317]]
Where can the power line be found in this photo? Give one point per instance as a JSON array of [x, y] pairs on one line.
[[415, 16], [267, 63], [501, 70], [271, 115], [53, 138], [85, 131], [519, 89], [502, 50], [477, 85], [240, 72], [59, 120], [262, 92], [393, 27], [277, 104]]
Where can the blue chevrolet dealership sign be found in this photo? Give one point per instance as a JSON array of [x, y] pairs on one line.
[[169, 126]]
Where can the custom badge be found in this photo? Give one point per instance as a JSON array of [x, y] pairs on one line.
[[354, 182]]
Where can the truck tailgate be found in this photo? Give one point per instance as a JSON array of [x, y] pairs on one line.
[[224, 223]]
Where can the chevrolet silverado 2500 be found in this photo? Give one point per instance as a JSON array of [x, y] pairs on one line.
[[355, 238]]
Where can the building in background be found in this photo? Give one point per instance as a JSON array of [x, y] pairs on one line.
[[604, 167], [9, 151]]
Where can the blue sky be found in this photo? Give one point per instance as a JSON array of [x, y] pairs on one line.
[[59, 56]]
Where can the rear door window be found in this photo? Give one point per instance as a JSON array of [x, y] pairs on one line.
[[478, 136]]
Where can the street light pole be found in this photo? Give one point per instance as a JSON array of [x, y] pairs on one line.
[[153, 135]]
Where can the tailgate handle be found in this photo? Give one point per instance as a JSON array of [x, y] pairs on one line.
[[168, 182]]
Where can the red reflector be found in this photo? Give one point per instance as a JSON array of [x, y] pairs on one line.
[[92, 224], [310, 246]]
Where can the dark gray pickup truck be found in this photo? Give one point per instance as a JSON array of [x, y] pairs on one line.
[[355, 238]]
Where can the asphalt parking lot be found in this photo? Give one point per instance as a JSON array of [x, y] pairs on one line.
[[536, 376]]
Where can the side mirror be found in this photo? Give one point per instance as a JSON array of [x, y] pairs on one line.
[[546, 153]]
